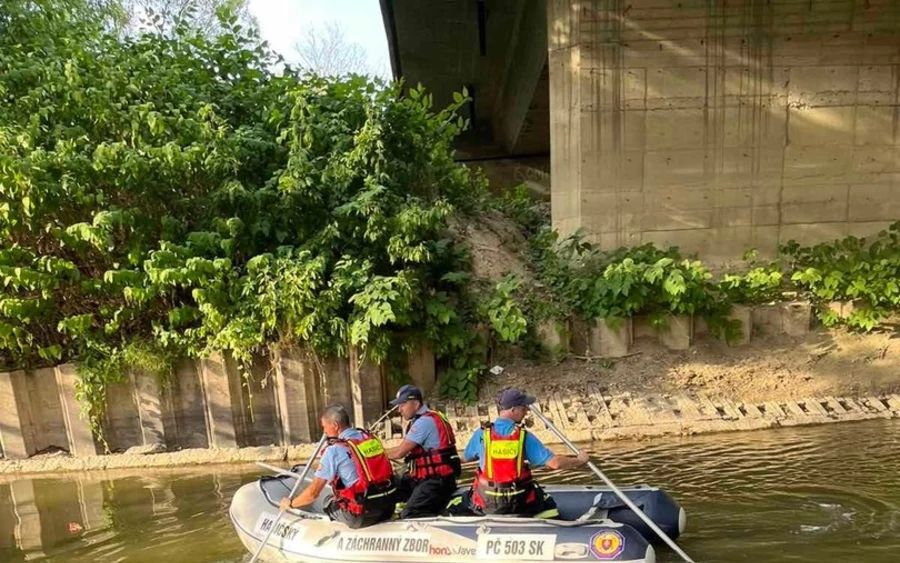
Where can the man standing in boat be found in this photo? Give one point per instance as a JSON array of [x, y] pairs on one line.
[[432, 460], [506, 452], [359, 472]]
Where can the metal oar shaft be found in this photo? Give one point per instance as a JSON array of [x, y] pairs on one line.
[[300, 479], [291, 495], [612, 486], [285, 473]]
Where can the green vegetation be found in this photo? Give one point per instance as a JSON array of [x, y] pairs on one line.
[[168, 195], [577, 280]]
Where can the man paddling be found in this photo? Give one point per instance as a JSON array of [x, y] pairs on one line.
[[359, 472], [429, 449], [506, 453]]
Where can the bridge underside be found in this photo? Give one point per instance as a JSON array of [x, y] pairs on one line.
[[713, 126]]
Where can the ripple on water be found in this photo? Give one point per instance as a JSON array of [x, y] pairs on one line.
[[813, 494]]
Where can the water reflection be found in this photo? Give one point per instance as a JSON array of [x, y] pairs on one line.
[[806, 494], [89, 518]]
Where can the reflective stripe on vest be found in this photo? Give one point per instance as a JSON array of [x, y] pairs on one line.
[[503, 449], [374, 473], [505, 482]]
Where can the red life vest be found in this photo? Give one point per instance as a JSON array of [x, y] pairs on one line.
[[505, 485], [442, 461], [376, 476]]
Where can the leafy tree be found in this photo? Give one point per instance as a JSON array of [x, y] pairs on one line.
[[165, 193]]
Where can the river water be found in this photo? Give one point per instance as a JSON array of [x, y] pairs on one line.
[[814, 494]]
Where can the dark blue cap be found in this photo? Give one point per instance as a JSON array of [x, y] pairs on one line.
[[407, 393], [511, 397]]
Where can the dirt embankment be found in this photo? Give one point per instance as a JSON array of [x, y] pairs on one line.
[[825, 363]]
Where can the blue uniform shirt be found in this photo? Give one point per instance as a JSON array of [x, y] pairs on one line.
[[337, 461], [424, 431], [536, 453]]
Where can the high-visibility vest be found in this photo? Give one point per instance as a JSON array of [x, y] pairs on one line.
[[376, 476], [442, 461]]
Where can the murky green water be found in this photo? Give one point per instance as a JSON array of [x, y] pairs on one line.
[[828, 493]]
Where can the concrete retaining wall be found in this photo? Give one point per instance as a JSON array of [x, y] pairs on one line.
[[210, 403], [596, 416], [591, 416], [791, 319]]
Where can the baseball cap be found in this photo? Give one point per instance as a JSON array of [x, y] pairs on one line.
[[511, 397], [407, 393]]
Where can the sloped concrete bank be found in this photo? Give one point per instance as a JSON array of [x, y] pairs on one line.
[[583, 417]]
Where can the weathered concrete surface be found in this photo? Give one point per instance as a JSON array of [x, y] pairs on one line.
[[608, 339], [12, 439], [253, 402], [221, 432], [334, 375], [592, 416], [56, 463], [185, 396], [795, 318], [600, 417], [149, 399], [46, 419], [295, 393], [78, 430], [743, 315], [422, 369], [678, 334], [719, 126], [366, 389], [122, 422]]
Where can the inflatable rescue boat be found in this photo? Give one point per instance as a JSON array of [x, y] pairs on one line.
[[593, 525]]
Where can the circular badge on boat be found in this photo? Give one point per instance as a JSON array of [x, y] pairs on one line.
[[607, 544]]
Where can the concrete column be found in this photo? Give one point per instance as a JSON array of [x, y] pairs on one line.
[[12, 439], [28, 519], [217, 402], [295, 396], [366, 389], [658, 137], [147, 396], [78, 430], [422, 369]]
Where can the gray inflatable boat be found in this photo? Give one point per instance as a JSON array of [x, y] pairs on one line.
[[593, 525]]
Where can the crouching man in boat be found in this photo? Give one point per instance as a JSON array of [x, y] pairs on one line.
[[506, 452], [432, 460], [359, 472]]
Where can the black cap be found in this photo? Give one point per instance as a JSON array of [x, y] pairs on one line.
[[407, 393], [511, 397]]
